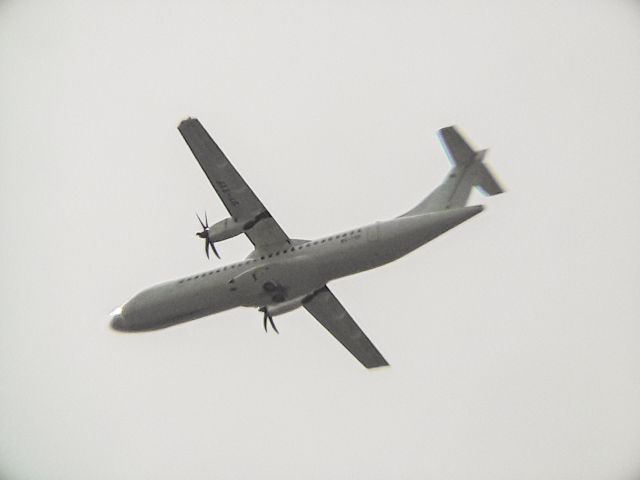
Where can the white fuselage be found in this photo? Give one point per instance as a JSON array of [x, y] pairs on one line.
[[274, 277]]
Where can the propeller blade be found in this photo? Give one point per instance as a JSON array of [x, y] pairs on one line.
[[200, 220], [273, 324], [213, 247], [205, 234]]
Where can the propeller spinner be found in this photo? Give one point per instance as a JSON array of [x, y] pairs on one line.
[[205, 234]]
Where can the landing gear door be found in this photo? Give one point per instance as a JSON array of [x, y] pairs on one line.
[[262, 279], [254, 277]]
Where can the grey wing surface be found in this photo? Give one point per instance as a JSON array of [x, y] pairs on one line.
[[243, 205], [326, 308]]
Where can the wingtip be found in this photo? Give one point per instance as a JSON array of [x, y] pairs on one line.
[[378, 367], [187, 121], [442, 130]]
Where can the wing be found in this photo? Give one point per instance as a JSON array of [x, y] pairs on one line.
[[237, 196], [326, 308]]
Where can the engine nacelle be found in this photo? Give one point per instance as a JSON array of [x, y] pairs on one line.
[[225, 229], [285, 307]]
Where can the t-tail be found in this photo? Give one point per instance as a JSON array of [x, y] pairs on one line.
[[468, 171]]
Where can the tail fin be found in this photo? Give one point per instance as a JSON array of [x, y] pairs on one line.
[[468, 171], [462, 155]]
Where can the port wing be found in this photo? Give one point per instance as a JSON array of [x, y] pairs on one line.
[[326, 308], [236, 195]]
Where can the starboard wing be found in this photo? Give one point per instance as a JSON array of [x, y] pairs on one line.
[[236, 195], [326, 308]]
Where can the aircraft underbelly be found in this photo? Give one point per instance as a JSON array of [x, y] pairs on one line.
[[385, 242], [278, 282], [288, 277], [173, 303]]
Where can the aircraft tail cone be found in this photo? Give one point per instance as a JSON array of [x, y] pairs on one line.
[[456, 216], [451, 218], [436, 223]]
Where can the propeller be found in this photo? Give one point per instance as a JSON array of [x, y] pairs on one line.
[[267, 316], [205, 234]]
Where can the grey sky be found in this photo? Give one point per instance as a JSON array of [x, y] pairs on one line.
[[513, 339]]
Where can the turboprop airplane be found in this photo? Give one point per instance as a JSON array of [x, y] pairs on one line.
[[283, 274]]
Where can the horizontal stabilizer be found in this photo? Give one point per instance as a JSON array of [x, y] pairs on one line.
[[485, 180]]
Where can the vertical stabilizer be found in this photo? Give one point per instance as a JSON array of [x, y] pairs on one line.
[[468, 171], [462, 155]]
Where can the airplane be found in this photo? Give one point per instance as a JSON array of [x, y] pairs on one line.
[[282, 274]]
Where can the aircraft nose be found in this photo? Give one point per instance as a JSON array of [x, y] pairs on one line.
[[117, 320]]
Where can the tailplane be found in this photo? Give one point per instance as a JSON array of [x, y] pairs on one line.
[[468, 171], [484, 179]]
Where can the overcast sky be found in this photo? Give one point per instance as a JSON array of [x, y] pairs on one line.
[[513, 339]]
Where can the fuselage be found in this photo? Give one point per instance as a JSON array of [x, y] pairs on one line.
[[269, 278]]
